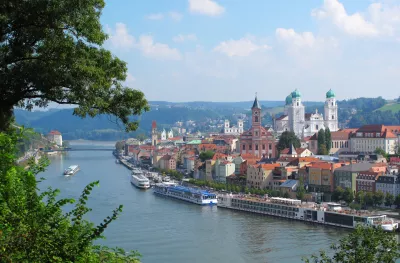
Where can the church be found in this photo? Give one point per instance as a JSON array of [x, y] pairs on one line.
[[304, 124]]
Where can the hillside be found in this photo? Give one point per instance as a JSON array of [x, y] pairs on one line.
[[394, 107]]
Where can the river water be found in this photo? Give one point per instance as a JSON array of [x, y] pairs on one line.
[[168, 230]]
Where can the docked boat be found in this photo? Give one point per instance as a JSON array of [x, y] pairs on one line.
[[200, 197], [73, 169], [139, 180], [326, 214]]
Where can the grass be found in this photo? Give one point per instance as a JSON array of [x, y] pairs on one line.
[[393, 107]]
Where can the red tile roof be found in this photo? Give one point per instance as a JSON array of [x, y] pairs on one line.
[[153, 125], [54, 132]]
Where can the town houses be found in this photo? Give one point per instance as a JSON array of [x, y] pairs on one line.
[[248, 157]]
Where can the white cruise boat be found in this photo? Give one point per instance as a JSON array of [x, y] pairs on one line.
[[200, 197], [73, 169], [327, 213], [139, 180]]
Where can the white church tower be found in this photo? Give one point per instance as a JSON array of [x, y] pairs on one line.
[[331, 111], [163, 135], [170, 134], [296, 114]]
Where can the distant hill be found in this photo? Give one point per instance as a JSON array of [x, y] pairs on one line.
[[352, 113]]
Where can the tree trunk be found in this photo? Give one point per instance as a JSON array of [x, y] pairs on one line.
[[6, 117]]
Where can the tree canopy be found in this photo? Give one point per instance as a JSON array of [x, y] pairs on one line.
[[51, 51], [287, 139], [206, 155], [371, 245]]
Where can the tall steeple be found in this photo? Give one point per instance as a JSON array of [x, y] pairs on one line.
[[256, 113], [154, 133], [255, 103]]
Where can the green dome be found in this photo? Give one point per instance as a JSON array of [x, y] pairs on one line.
[[330, 94], [296, 94], [289, 99]]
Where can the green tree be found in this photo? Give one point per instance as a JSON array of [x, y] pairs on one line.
[[288, 139], [33, 226], [369, 198], [371, 245], [328, 140], [65, 144], [381, 151], [337, 194], [207, 155], [378, 197], [286, 195], [52, 52], [360, 197], [348, 195], [300, 191], [389, 199], [321, 142], [119, 145]]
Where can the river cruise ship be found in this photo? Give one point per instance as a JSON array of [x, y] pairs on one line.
[[73, 169], [139, 180], [327, 213], [200, 197]]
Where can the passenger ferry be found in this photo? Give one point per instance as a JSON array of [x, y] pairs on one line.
[[200, 197], [327, 213], [139, 180], [73, 169]]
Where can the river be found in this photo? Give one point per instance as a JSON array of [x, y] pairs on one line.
[[167, 230]]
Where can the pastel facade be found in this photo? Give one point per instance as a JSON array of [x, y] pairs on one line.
[[55, 137]]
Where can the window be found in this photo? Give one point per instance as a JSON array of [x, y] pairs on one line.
[[256, 133], [333, 117], [270, 147], [316, 127], [297, 104], [263, 147], [256, 147], [378, 134], [250, 147], [332, 103], [244, 147], [256, 119]]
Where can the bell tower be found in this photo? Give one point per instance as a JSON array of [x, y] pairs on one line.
[[256, 113], [331, 111], [154, 133]]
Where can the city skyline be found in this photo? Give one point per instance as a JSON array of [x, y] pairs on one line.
[[223, 49]]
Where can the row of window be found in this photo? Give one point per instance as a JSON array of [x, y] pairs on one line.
[[256, 147]]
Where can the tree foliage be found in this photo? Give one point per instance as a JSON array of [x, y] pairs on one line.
[[348, 195], [300, 191], [338, 194], [33, 226], [119, 145], [371, 245], [52, 51], [389, 199], [287, 139], [328, 140], [207, 155], [322, 142]]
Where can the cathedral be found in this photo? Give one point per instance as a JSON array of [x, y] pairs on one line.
[[304, 124]]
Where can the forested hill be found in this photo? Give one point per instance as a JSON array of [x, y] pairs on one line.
[[352, 113]]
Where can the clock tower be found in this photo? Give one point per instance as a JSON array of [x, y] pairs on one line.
[[331, 111], [296, 114], [256, 114]]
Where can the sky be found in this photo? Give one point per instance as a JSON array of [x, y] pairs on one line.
[[227, 50]]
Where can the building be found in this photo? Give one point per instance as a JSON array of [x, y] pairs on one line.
[[167, 162], [55, 137], [388, 183], [370, 137], [293, 152], [366, 181], [257, 141], [154, 139], [260, 176], [346, 176], [340, 142], [223, 170], [307, 124], [233, 130]]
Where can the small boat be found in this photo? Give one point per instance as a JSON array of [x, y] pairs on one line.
[[73, 169], [117, 161]]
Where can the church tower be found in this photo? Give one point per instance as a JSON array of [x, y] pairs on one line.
[[296, 114], [331, 111], [256, 114], [154, 133]]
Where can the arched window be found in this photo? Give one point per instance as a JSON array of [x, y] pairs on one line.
[[333, 117], [297, 104], [316, 127], [244, 147], [256, 119], [332, 103]]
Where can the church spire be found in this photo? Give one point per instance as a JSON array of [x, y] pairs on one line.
[[256, 104]]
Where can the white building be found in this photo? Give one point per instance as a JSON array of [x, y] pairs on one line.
[[224, 169], [233, 130], [370, 137], [303, 125], [166, 135], [55, 137]]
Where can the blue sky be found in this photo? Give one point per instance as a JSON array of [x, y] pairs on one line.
[[226, 50]]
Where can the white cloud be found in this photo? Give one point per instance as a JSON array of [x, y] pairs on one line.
[[176, 16], [183, 38], [120, 38], [239, 48], [130, 79], [206, 7], [379, 20], [157, 16], [157, 50]]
